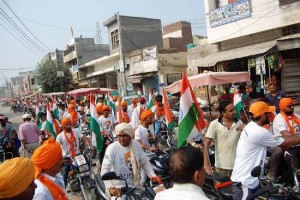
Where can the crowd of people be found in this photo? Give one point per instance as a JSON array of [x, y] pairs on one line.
[[126, 129]]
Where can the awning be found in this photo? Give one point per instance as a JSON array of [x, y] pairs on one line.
[[213, 58], [289, 42]]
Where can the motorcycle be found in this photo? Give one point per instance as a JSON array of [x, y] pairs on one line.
[[85, 130], [273, 191], [81, 178], [7, 149], [131, 193]]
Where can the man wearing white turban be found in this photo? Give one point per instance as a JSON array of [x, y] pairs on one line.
[[125, 157]]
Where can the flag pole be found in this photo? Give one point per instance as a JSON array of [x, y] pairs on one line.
[[246, 114]]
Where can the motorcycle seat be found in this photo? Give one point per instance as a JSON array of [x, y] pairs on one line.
[[221, 177], [226, 192]]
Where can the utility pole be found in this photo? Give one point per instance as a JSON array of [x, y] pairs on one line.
[[58, 64]]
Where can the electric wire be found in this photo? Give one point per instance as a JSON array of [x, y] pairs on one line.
[[26, 26]]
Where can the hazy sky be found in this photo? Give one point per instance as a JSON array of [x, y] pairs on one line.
[[50, 22]]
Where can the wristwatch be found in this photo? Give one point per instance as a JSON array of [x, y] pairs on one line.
[[194, 144]]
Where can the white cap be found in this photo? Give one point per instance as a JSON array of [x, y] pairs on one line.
[[26, 116]]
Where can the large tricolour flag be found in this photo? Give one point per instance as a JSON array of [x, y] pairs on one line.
[[237, 102], [49, 122], [94, 124], [191, 119], [168, 112], [38, 115]]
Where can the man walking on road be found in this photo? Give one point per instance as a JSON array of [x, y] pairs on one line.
[[29, 136]]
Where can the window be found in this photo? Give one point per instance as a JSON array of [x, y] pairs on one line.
[[32, 81], [285, 2], [115, 42], [171, 78]]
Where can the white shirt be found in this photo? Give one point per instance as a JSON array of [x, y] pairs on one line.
[[251, 152], [42, 192], [66, 152], [186, 191], [106, 123], [135, 117], [61, 113], [226, 141], [279, 124], [141, 133], [117, 158]]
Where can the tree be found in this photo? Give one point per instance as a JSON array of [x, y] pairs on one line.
[[46, 74]]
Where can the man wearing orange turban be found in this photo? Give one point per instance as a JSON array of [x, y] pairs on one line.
[[287, 123], [69, 141], [126, 113], [99, 108], [142, 134], [48, 162], [136, 113], [74, 116], [17, 179]]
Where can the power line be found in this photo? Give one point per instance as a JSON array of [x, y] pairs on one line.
[[21, 31], [25, 26], [19, 40], [9, 69]]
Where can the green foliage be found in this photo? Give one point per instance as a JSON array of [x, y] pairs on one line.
[[46, 74]]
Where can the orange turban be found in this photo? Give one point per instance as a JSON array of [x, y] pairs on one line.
[[106, 108], [16, 175], [115, 98], [47, 155], [71, 106], [284, 102], [81, 103], [64, 121], [123, 103], [142, 100], [145, 114], [99, 107], [134, 101]]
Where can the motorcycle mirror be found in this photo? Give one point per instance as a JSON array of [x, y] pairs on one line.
[[151, 141], [110, 176], [256, 171]]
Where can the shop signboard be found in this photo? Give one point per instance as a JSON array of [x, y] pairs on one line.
[[230, 13]]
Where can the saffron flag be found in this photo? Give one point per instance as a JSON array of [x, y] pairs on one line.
[[191, 119], [237, 102], [120, 116], [49, 122], [94, 124], [168, 112]]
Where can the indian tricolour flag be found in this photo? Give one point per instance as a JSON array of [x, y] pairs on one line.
[[38, 114], [94, 124], [168, 112], [55, 108], [191, 119], [237, 102], [111, 103], [49, 122], [150, 104]]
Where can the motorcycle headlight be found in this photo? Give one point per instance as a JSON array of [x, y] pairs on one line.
[[83, 168]]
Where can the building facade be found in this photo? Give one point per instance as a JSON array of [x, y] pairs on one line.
[[256, 36], [80, 51]]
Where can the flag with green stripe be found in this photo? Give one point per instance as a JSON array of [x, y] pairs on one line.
[[94, 124], [191, 119]]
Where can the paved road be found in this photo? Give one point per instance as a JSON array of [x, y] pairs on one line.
[[16, 119]]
